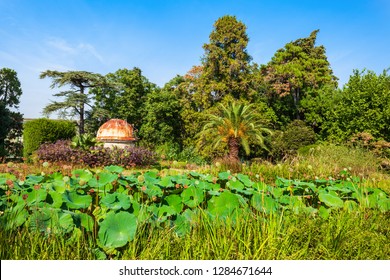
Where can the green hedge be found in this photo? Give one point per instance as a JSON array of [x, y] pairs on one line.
[[39, 131]]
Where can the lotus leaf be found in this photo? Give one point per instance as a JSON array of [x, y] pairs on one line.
[[65, 221], [84, 220], [235, 185], [165, 211], [14, 217], [195, 174], [82, 174], [166, 182], [278, 192], [75, 201], [33, 179], [224, 205], [324, 212], [116, 201], [56, 199], [181, 225], [106, 178], [384, 204], [245, 180], [224, 175], [43, 220], [117, 229], [260, 187], [175, 201], [152, 190], [192, 196], [114, 169], [331, 200], [264, 203], [36, 196]]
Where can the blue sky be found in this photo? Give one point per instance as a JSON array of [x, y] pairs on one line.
[[165, 38]]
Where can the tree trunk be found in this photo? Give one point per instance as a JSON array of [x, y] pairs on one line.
[[233, 145], [81, 119]]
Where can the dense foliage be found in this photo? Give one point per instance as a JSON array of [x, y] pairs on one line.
[[39, 131], [111, 206], [97, 156], [296, 84], [77, 97], [10, 121]]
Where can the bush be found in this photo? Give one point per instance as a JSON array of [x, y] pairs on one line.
[[39, 131], [288, 142], [61, 152]]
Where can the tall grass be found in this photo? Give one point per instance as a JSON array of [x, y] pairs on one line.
[[360, 235]]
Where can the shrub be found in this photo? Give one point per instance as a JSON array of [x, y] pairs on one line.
[[39, 131], [288, 142], [61, 151]]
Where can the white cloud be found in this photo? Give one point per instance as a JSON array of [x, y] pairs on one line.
[[61, 45], [63, 48]]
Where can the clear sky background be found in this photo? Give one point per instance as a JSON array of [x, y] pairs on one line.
[[165, 38]]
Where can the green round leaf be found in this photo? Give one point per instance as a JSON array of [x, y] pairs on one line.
[[224, 205], [192, 196], [76, 201], [117, 229], [264, 203], [331, 200], [175, 201], [116, 201]]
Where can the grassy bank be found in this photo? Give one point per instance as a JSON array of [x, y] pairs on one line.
[[356, 236]]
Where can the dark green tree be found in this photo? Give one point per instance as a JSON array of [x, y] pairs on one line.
[[162, 122], [125, 100], [363, 105], [225, 68], [10, 121], [76, 97], [298, 69]]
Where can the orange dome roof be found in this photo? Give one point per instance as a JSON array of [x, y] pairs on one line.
[[116, 130]]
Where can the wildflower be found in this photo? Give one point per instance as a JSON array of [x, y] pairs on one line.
[[37, 187], [25, 196]]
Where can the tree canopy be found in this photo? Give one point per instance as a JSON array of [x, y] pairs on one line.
[[76, 97], [10, 121], [237, 125], [226, 63], [296, 70]]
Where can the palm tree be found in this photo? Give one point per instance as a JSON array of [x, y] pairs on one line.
[[237, 125]]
